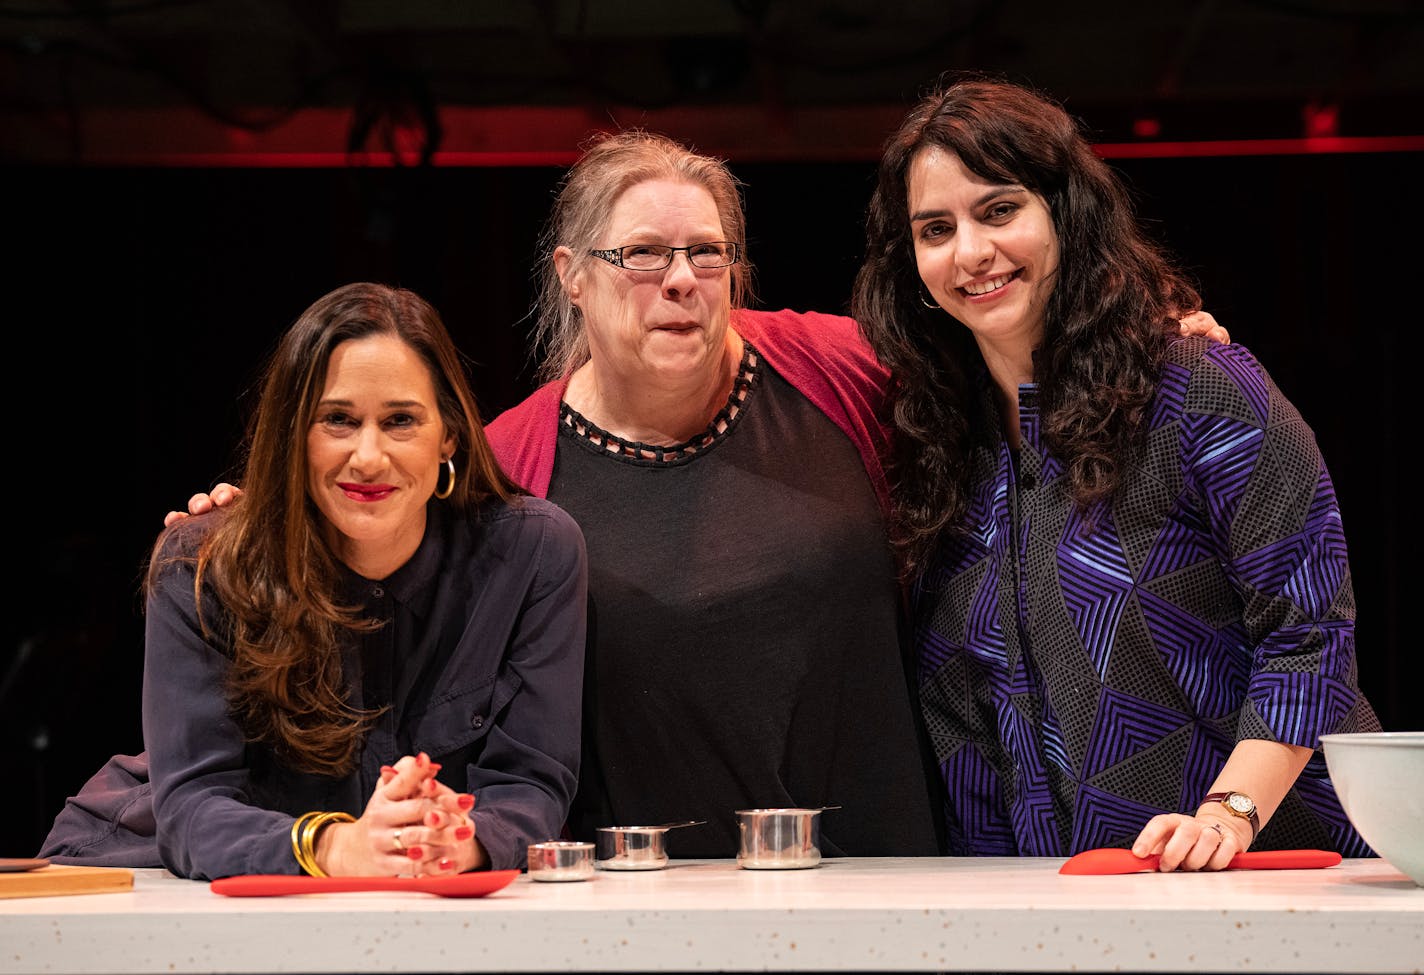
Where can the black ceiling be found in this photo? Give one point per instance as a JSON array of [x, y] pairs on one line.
[[1207, 69]]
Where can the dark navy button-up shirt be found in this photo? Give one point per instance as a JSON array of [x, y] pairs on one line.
[[478, 662]]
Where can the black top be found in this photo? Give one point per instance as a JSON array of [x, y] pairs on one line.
[[743, 646]]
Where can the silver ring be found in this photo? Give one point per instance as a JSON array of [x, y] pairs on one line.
[[396, 839]]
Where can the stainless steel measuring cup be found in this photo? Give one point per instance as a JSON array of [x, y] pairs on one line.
[[779, 839], [635, 847]]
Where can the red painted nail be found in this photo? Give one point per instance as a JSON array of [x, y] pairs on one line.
[[464, 832], [435, 767], [466, 801], [422, 759], [433, 819], [388, 770], [415, 853], [446, 863]]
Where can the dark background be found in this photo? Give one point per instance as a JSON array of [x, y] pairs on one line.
[[144, 286]]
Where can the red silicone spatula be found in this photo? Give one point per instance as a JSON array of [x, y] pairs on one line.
[[277, 885], [1114, 861]]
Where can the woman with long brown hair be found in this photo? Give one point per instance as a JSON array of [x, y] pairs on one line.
[[381, 629]]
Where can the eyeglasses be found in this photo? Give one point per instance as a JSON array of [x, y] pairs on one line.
[[655, 257]]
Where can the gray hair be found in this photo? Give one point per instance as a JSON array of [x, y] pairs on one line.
[[611, 164]]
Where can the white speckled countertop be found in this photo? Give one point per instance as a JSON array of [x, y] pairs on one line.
[[930, 914]]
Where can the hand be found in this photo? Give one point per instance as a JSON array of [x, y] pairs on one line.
[[448, 837], [221, 495], [1200, 323], [1201, 842], [413, 825]]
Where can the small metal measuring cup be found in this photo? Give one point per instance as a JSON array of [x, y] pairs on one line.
[[779, 839], [635, 847], [560, 860]]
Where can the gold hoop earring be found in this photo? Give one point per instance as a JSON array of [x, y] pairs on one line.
[[450, 487], [931, 305]]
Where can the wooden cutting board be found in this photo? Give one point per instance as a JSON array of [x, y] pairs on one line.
[[57, 879]]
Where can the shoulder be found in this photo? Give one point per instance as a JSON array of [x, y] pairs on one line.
[[532, 520], [525, 512], [516, 423], [809, 331], [789, 322], [176, 549], [173, 567], [1207, 377], [812, 341], [523, 437], [1193, 352], [533, 540], [185, 536]]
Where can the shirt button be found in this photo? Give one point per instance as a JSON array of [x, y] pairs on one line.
[[377, 591], [478, 721]]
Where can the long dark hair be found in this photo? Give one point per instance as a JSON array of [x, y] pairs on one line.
[[265, 559], [1111, 312]]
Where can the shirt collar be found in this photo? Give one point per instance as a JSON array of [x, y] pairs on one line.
[[413, 584]]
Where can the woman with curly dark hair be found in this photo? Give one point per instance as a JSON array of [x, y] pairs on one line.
[[1133, 611]]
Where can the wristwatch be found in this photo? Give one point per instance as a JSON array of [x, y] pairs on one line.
[[1239, 804]]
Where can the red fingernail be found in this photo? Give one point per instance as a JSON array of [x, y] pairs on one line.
[[435, 767], [428, 787], [388, 770], [422, 759], [415, 853], [446, 863], [466, 801], [433, 819], [464, 832]]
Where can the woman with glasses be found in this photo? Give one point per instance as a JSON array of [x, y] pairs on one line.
[[723, 464]]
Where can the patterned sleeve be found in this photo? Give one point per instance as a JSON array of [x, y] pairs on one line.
[[1259, 475]]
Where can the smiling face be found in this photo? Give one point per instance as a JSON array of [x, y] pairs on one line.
[[654, 327], [987, 252], [374, 450]]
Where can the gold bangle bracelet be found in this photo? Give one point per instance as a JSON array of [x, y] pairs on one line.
[[298, 825], [305, 831], [308, 845], [310, 833]]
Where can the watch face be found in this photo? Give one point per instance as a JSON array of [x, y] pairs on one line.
[[1240, 803]]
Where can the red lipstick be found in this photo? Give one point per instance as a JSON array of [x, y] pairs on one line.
[[366, 492]]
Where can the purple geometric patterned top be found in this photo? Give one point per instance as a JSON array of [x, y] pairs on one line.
[[1081, 674]]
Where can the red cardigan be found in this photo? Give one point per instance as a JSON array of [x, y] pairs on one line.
[[823, 356]]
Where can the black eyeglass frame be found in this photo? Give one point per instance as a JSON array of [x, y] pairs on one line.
[[614, 255]]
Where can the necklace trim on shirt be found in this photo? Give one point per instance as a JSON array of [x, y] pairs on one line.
[[748, 374]]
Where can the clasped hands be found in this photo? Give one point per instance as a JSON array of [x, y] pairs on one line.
[[413, 825]]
